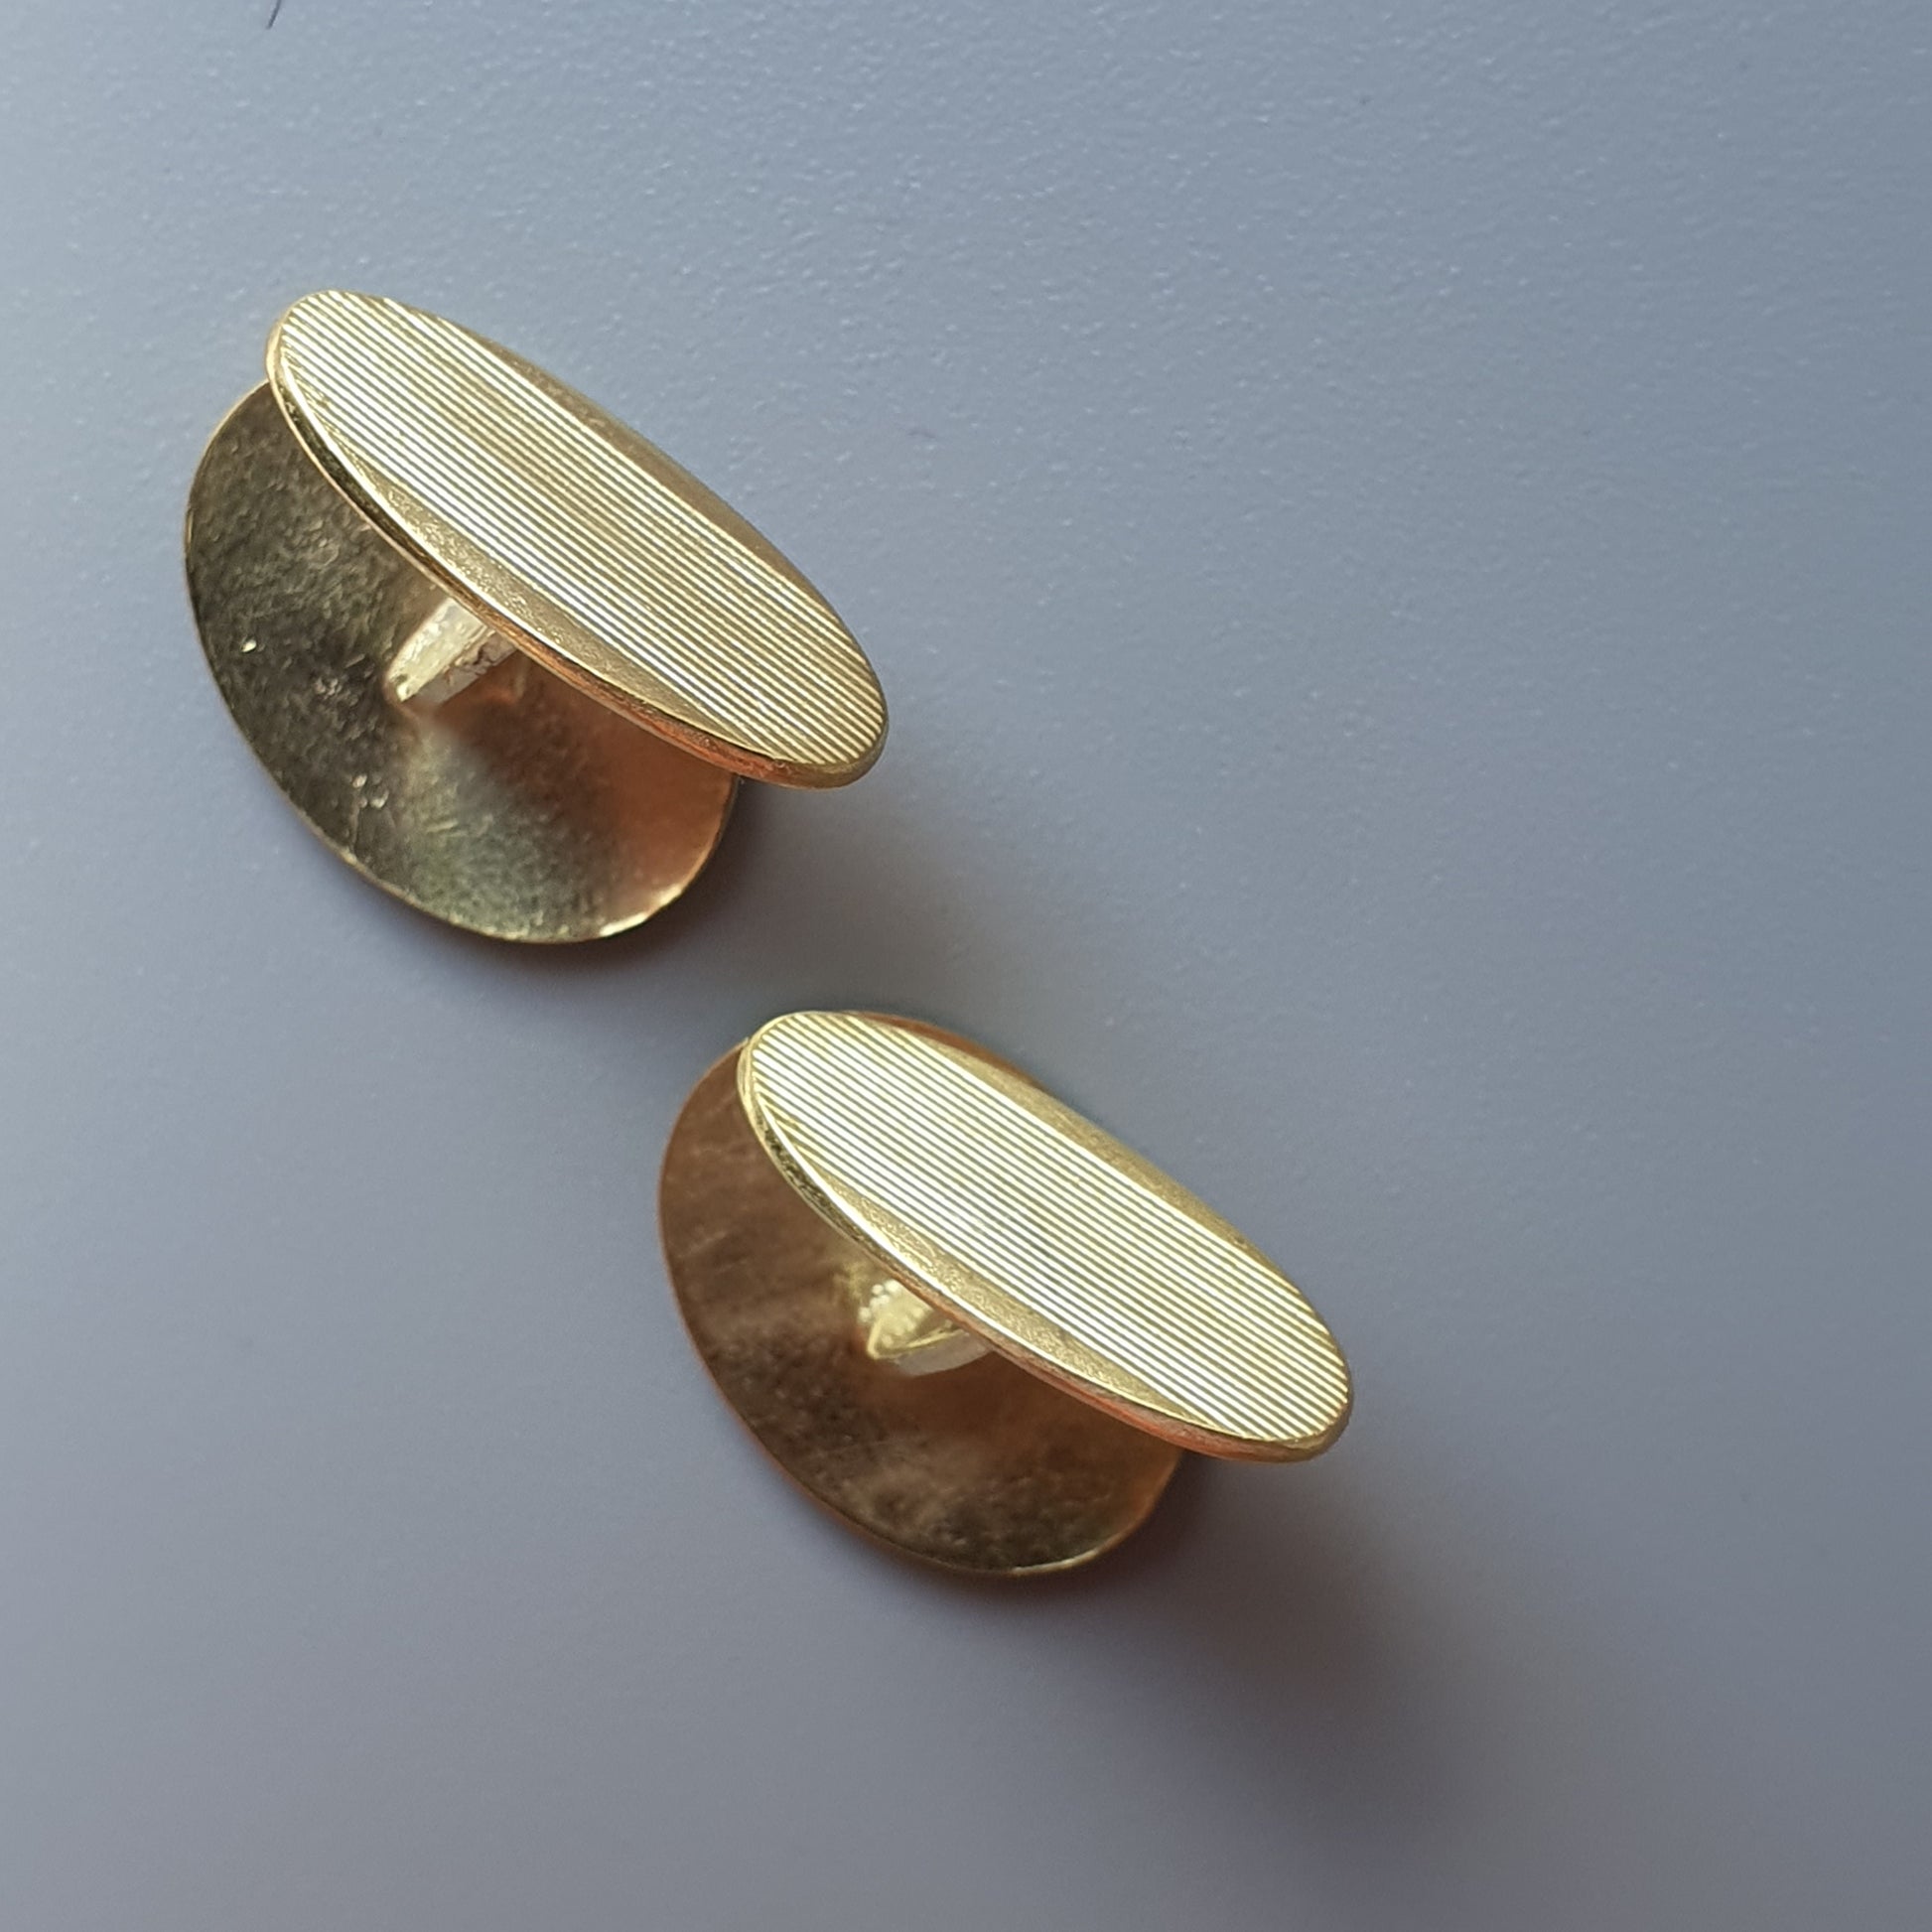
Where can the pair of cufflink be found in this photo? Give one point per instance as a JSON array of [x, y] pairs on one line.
[[510, 661]]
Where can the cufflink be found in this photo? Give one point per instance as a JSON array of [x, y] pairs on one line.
[[502, 654], [962, 1317]]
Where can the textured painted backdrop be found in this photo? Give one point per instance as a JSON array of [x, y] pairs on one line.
[[1397, 541]]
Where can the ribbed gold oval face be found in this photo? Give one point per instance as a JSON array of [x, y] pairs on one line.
[[1021, 1220], [555, 523]]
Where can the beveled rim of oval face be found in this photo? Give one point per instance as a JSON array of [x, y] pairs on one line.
[[1021, 1219], [599, 556]]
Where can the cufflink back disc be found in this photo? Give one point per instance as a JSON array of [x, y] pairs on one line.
[[961, 1316], [502, 654]]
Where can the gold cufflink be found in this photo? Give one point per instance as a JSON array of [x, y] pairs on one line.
[[503, 654], [961, 1316]]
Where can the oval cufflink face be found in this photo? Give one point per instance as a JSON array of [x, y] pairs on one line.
[[1022, 1221], [520, 808], [571, 533], [981, 1466]]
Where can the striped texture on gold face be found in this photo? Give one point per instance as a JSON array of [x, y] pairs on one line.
[[1025, 1222], [583, 541]]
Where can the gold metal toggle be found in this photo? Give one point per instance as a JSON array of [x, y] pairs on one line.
[[446, 653], [905, 1332]]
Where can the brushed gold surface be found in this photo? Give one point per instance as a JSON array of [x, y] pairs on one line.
[[983, 1467], [560, 526], [520, 808], [1025, 1222]]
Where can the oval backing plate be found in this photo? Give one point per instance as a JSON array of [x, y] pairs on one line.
[[520, 809], [983, 1467]]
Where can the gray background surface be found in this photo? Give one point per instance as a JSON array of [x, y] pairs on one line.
[[1397, 541]]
